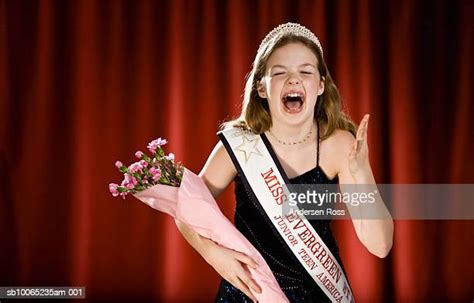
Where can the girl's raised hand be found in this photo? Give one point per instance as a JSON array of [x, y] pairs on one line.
[[359, 152]]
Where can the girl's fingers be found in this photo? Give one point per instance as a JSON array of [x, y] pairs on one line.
[[246, 259], [240, 285], [366, 126], [362, 143], [250, 283], [358, 145], [362, 130], [244, 275]]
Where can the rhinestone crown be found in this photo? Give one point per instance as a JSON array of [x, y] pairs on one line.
[[290, 28]]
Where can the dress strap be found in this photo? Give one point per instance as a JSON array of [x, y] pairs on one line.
[[317, 144]]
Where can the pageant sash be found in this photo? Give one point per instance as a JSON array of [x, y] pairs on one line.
[[261, 174]]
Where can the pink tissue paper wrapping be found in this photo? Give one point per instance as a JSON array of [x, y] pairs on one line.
[[193, 204]]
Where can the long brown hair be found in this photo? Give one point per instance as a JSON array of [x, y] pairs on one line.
[[255, 115]]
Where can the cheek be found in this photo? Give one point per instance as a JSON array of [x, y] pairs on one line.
[[275, 85], [274, 88], [315, 85]]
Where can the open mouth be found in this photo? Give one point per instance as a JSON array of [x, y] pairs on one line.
[[293, 102]]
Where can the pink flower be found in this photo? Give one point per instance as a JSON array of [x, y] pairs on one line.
[[118, 164], [153, 145], [138, 154], [135, 167], [113, 189], [129, 182], [156, 173], [154, 170], [143, 163]]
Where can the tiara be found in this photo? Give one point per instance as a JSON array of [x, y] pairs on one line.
[[291, 28]]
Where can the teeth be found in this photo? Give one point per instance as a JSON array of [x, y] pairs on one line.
[[294, 95]]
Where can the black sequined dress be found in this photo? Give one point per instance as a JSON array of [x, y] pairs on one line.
[[250, 220]]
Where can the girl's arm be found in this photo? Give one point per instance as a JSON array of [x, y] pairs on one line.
[[217, 174], [372, 222]]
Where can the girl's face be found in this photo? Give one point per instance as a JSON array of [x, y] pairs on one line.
[[291, 84]]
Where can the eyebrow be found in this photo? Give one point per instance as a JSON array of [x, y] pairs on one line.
[[302, 65]]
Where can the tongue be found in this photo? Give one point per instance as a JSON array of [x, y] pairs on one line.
[[293, 104]]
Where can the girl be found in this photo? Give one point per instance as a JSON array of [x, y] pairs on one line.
[[292, 104]]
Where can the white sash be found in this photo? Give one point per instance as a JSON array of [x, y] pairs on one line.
[[255, 163]]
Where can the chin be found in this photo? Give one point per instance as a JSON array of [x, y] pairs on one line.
[[296, 118]]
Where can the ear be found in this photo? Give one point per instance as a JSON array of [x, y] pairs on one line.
[[321, 86], [262, 91]]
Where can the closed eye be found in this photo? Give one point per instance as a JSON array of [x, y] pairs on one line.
[[307, 73], [278, 74]]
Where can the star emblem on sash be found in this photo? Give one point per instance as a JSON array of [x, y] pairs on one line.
[[248, 146]]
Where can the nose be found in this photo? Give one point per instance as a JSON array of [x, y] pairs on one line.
[[293, 79]]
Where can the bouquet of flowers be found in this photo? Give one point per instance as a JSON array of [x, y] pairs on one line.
[[167, 186]]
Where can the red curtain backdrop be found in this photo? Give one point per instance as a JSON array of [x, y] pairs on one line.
[[85, 83]]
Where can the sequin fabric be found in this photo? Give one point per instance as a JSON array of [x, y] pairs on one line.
[[293, 279]]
